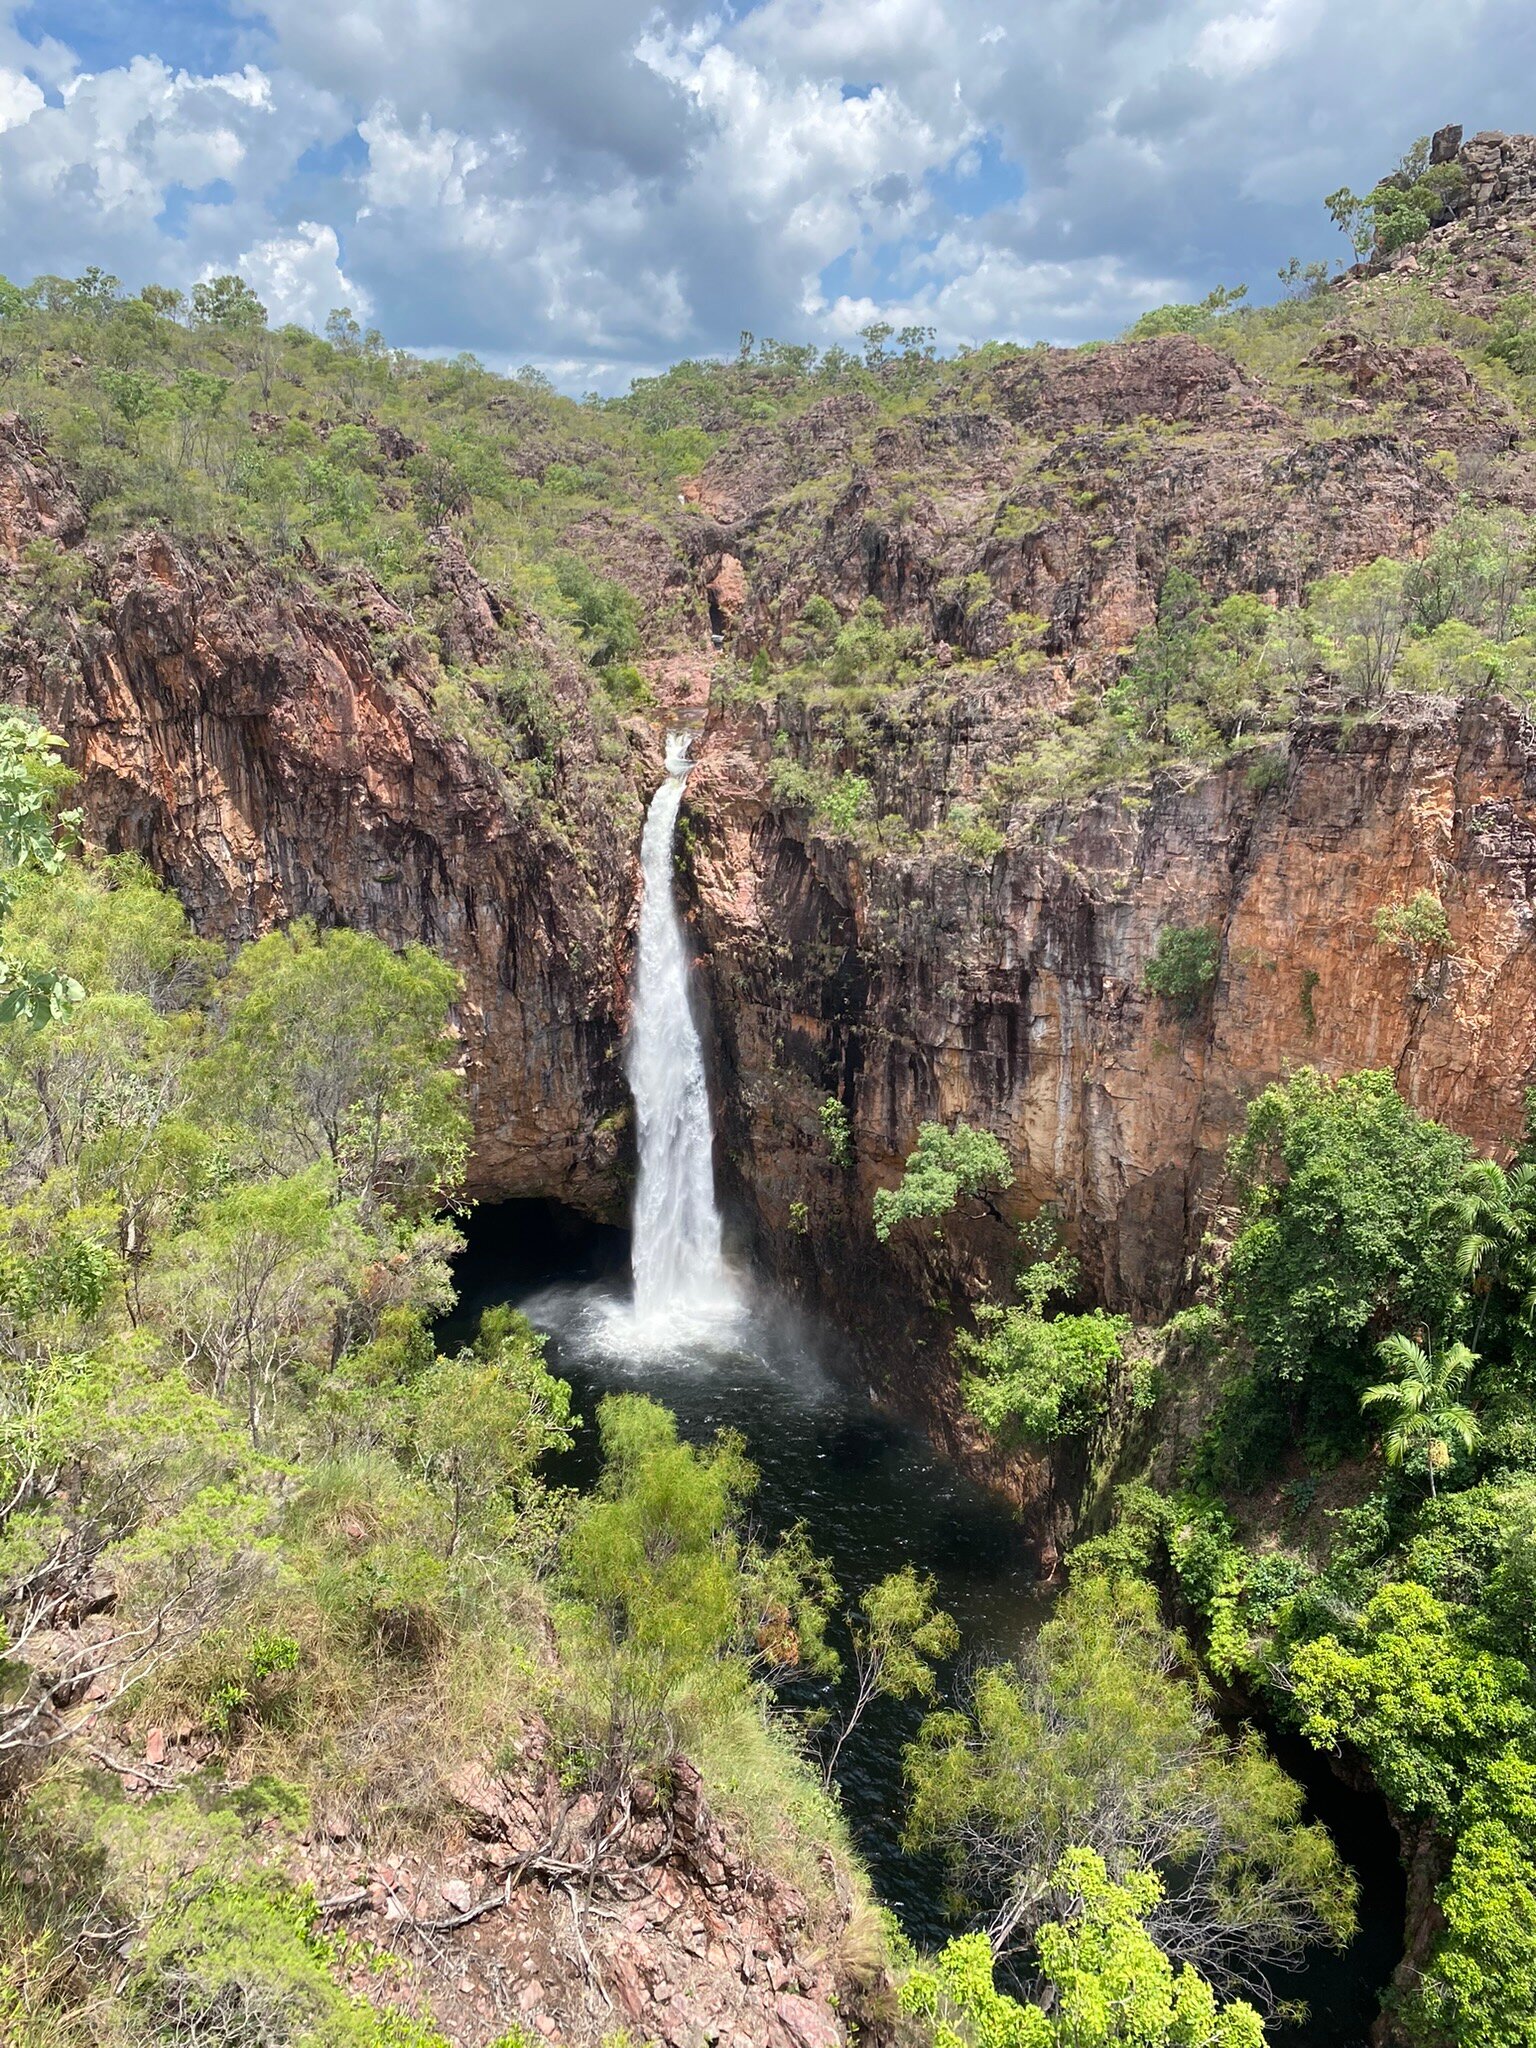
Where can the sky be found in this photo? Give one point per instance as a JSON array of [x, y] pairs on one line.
[[600, 187]]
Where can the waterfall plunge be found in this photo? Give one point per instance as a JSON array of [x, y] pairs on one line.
[[683, 1287]]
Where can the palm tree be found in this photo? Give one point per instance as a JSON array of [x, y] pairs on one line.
[[1424, 1411], [1491, 1214]]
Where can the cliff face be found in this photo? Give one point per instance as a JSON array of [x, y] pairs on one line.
[[279, 751], [1013, 992]]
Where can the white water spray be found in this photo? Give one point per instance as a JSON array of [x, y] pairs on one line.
[[682, 1284]]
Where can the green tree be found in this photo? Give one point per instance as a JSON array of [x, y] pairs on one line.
[[1422, 1408], [256, 1286], [227, 302], [1186, 319], [1479, 1983], [110, 1462], [1408, 1690], [1361, 620], [897, 1638], [482, 1420], [112, 926], [335, 1048], [944, 1165], [1092, 1738], [1164, 665], [198, 400], [1418, 927], [1184, 968], [1032, 1379], [845, 805], [1342, 1235], [654, 1557], [604, 612], [164, 300], [1029, 1377], [837, 1130], [136, 397], [1103, 1982], [1492, 1215]]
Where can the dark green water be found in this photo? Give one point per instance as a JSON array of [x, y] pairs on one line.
[[873, 1495]]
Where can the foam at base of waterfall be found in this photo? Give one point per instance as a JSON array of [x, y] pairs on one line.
[[622, 1329], [757, 1339], [600, 1322]]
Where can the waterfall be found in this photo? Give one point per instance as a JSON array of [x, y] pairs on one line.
[[682, 1282]]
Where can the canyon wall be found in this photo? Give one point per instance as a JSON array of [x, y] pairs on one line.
[[272, 747], [280, 739], [275, 752], [1012, 991]]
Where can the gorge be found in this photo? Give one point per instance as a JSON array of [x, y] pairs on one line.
[[767, 1156]]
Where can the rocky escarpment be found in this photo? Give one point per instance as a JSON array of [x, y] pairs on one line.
[[1012, 990], [281, 746], [1062, 503]]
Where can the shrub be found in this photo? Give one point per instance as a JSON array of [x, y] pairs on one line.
[[1416, 928], [1034, 1379], [838, 1131], [1183, 969], [943, 1166], [845, 805]]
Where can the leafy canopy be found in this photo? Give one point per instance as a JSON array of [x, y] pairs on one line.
[[1092, 1738], [945, 1164], [1032, 1378], [339, 1050], [1343, 1234], [1102, 1980]]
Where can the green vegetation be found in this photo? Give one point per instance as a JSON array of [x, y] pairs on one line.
[[943, 1166], [1183, 970], [1407, 203], [1032, 1378], [1102, 1980], [1421, 1407], [837, 1131], [1370, 1321], [897, 1638], [245, 1494], [1348, 1224], [1187, 319], [1093, 1741], [30, 844]]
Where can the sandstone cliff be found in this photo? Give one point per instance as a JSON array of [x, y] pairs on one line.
[[279, 745], [1012, 992]]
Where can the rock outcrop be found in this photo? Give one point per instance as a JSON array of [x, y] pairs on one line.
[[277, 748], [674, 1934], [1012, 990], [1500, 171]]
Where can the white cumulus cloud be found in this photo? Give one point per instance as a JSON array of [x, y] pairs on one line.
[[299, 277], [606, 184]]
